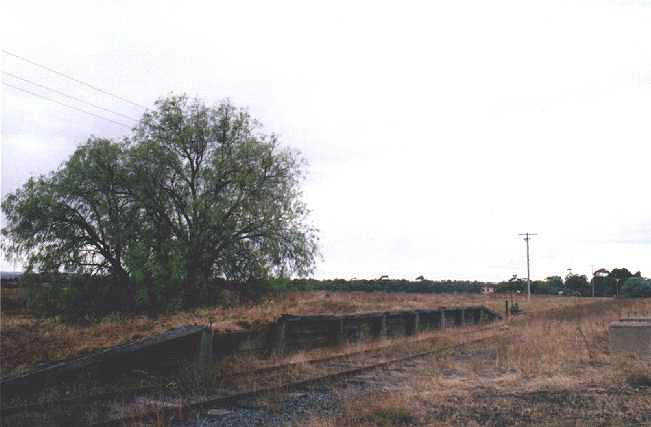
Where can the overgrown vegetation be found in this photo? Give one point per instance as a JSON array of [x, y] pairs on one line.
[[83, 298], [542, 359]]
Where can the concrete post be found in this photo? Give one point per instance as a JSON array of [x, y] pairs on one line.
[[206, 345], [380, 327], [337, 332], [278, 340], [463, 317], [412, 323], [443, 319]]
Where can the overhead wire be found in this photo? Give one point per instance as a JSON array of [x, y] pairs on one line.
[[52, 70], [66, 105], [67, 95]]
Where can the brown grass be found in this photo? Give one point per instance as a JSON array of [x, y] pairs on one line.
[[563, 352], [48, 339], [552, 370]]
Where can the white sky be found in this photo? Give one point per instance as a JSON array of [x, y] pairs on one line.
[[435, 131]]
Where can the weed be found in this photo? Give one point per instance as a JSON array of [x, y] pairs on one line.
[[389, 417], [639, 380]]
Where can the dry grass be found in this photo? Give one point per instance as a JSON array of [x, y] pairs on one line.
[[551, 370], [564, 354], [48, 339]]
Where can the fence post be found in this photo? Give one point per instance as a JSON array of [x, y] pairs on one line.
[[463, 317], [443, 320], [508, 313]]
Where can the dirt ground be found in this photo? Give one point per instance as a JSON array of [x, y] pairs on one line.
[[27, 340]]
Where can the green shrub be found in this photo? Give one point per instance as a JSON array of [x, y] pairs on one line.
[[636, 287], [75, 298], [45, 294], [639, 380], [515, 308]]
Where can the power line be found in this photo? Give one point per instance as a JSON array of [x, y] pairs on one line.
[[67, 96], [73, 79], [66, 105], [526, 239]]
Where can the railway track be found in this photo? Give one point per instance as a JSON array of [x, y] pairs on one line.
[[330, 370], [105, 408]]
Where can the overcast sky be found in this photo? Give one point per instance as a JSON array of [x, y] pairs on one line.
[[435, 131]]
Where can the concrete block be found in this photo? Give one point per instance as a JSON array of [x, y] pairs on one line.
[[636, 319], [279, 337], [630, 337], [455, 317]]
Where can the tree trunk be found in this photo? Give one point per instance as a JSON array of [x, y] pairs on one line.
[[119, 293], [152, 299], [188, 286]]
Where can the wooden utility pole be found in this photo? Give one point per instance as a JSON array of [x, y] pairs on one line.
[[526, 239]]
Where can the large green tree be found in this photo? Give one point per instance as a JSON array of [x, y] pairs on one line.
[[221, 198], [197, 192]]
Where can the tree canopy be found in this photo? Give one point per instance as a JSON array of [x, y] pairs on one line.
[[196, 192]]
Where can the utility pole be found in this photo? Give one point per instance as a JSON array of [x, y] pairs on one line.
[[526, 239]]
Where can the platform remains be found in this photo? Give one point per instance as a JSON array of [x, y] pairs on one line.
[[630, 336]]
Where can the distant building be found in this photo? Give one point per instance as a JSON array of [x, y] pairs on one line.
[[487, 289]]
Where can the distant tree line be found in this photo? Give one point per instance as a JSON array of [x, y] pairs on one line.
[[618, 282], [389, 285], [604, 283]]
